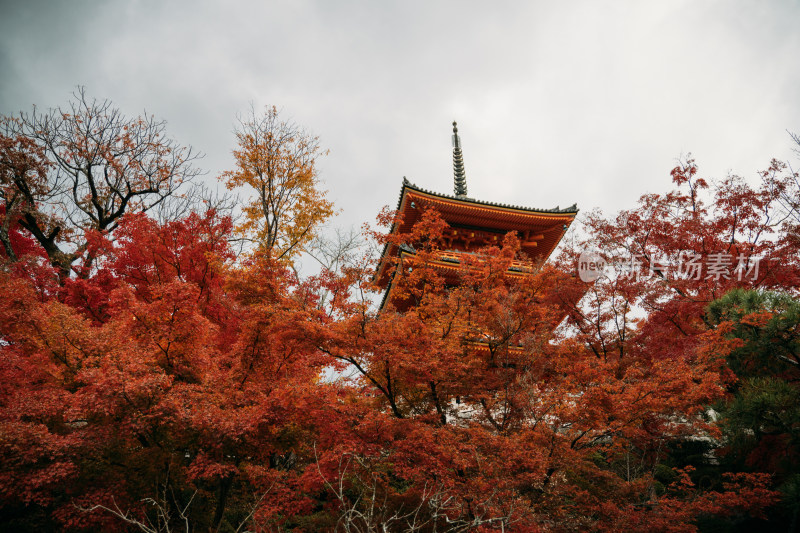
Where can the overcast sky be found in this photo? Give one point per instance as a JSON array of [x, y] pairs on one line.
[[557, 102]]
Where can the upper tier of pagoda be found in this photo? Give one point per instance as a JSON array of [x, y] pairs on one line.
[[474, 224]]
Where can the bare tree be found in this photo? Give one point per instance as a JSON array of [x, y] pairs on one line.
[[23, 181], [336, 250], [165, 514], [99, 165], [790, 198], [364, 506]]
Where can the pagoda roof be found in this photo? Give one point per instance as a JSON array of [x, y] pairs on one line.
[[407, 185], [537, 228], [472, 224], [540, 230]]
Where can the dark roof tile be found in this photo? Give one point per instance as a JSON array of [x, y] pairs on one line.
[[408, 185]]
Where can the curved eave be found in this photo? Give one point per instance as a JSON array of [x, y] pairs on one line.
[[549, 224], [449, 270], [408, 186], [453, 266]]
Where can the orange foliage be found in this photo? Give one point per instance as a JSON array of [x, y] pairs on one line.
[[217, 388], [276, 163]]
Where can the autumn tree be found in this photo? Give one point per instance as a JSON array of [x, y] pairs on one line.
[[177, 385], [668, 259], [578, 426], [169, 375], [276, 163], [515, 423], [677, 252], [760, 417], [23, 178], [69, 171]]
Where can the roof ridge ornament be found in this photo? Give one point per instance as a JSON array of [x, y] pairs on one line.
[[459, 176]]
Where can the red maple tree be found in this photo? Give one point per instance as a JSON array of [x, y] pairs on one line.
[[174, 383]]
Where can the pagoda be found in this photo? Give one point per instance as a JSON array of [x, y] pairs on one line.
[[472, 224]]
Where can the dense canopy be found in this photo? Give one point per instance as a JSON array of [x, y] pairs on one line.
[[157, 375]]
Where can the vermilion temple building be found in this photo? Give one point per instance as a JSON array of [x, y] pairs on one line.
[[473, 224]]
